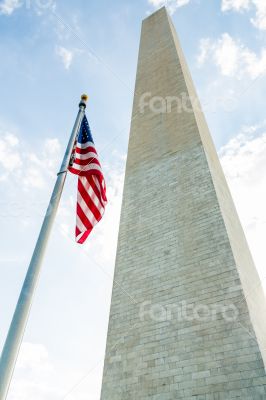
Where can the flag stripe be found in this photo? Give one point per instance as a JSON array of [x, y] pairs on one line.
[[89, 161], [83, 222], [80, 226], [84, 168], [83, 146], [89, 198], [90, 154], [91, 184], [86, 210]]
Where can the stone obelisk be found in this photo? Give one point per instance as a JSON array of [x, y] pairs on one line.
[[188, 313]]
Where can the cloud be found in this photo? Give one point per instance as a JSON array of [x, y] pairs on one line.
[[10, 158], [7, 7], [260, 20], [237, 5], [232, 57], [33, 356], [65, 55], [172, 5], [244, 163], [40, 376], [245, 5], [26, 178], [33, 374], [33, 178], [39, 168], [21, 166], [224, 52]]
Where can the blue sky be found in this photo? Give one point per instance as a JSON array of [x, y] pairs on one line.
[[51, 52]]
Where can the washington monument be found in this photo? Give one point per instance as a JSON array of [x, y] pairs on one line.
[[188, 314]]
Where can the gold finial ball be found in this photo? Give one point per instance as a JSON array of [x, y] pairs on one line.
[[84, 97]]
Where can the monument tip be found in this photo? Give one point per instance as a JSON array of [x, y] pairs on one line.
[[158, 11]]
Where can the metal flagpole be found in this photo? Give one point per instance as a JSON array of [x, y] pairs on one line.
[[20, 317]]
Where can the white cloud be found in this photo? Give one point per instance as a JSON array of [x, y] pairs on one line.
[[11, 139], [65, 55], [172, 5], [10, 158], [39, 376], [244, 162], [7, 7], [204, 49], [224, 52], [244, 5], [232, 57], [33, 178], [22, 166], [33, 374], [237, 5], [40, 167], [260, 20], [227, 55], [32, 356]]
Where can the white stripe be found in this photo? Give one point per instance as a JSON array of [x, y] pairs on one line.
[[86, 167], [83, 146], [91, 154]]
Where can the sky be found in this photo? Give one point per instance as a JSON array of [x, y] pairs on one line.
[[51, 52]]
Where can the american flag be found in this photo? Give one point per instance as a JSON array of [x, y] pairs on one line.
[[91, 199]]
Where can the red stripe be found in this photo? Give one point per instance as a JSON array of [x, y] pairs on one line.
[[82, 172], [96, 190], [89, 201], [91, 160], [83, 218], [88, 173], [73, 170], [84, 236]]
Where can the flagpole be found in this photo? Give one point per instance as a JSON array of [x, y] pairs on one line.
[[21, 314]]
